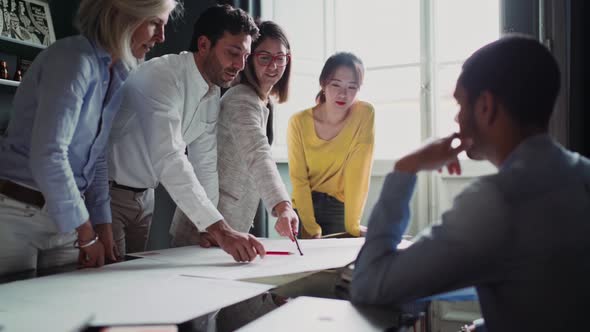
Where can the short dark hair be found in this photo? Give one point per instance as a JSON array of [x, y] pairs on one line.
[[340, 59], [269, 30], [214, 21], [521, 73]]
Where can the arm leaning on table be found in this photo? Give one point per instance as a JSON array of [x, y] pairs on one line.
[[161, 123], [202, 154], [357, 173], [464, 250], [98, 202], [249, 133], [60, 108], [161, 103], [56, 117], [300, 177]]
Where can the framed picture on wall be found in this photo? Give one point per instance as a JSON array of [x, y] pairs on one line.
[[26, 22]]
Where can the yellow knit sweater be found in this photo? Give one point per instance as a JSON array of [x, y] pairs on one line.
[[340, 167]]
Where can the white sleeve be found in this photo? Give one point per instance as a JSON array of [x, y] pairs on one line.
[[250, 136], [202, 152], [159, 101]]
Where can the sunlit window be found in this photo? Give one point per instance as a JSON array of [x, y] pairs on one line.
[[412, 51], [461, 27]]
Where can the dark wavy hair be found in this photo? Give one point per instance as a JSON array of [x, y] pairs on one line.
[[340, 59], [214, 21], [269, 30], [521, 73]]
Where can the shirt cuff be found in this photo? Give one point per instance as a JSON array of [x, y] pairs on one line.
[[314, 230], [271, 206], [356, 231], [390, 216], [399, 186], [204, 217], [68, 215], [100, 214]]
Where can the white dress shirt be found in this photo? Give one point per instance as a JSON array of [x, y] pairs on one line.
[[168, 108]]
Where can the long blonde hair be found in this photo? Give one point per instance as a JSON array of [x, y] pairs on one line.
[[111, 23]]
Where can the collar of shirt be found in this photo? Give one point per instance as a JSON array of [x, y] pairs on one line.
[[119, 69], [204, 90], [525, 148]]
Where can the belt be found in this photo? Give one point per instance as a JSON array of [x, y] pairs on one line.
[[321, 195], [120, 186], [21, 194]]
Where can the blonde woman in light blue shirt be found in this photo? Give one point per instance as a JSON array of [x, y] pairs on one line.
[[54, 199]]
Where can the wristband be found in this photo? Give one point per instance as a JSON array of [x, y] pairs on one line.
[[77, 244]]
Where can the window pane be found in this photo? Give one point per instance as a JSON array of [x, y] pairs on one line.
[[302, 91], [397, 129], [380, 32], [395, 93], [463, 26], [446, 106], [307, 40], [447, 79], [446, 109], [454, 43], [388, 85]]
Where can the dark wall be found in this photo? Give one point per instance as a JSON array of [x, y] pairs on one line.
[[178, 37], [520, 16], [580, 119], [63, 13], [565, 25], [179, 31]]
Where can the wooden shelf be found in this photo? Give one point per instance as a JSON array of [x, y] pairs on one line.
[[10, 40], [21, 49], [9, 82]]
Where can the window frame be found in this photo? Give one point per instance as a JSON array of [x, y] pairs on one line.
[[426, 202]]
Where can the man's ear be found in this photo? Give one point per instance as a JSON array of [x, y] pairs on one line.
[[487, 107], [204, 44]]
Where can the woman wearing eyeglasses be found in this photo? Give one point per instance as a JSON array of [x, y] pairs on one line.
[[247, 171], [331, 152]]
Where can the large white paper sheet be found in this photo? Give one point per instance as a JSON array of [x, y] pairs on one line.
[[22, 315], [117, 294], [215, 263], [317, 314], [165, 287]]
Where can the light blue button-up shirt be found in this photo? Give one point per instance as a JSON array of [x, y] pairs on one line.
[[55, 141], [519, 236]]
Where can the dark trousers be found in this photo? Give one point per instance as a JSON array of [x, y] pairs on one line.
[[329, 213]]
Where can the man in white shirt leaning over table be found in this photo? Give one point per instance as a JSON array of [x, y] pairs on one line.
[[170, 105]]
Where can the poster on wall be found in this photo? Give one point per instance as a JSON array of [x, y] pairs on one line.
[[26, 21]]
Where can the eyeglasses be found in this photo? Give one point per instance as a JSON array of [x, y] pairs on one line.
[[265, 59]]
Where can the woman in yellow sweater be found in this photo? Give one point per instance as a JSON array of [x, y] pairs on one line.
[[331, 152]]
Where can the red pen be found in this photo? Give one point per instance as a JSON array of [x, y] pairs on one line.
[[279, 253]]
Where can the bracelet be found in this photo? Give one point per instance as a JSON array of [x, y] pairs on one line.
[[274, 211], [77, 244]]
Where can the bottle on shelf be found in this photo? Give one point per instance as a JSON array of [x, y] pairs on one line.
[[18, 75], [3, 70], [23, 65]]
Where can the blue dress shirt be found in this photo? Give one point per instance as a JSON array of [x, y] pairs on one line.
[[55, 141], [519, 236]]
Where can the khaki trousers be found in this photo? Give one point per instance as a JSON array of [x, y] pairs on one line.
[[30, 240], [132, 217], [183, 231]]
